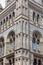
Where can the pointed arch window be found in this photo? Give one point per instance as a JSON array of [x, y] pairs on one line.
[[12, 41], [11, 38], [36, 41], [1, 45]]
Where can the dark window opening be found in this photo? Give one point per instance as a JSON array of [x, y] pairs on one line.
[[39, 62], [16, 59], [33, 15], [13, 61], [6, 18], [4, 21], [37, 17], [10, 62], [13, 14], [1, 22], [19, 58], [35, 62], [10, 16]]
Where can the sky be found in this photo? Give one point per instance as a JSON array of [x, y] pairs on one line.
[[3, 3]]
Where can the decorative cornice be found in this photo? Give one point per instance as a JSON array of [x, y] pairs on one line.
[[36, 6], [37, 54], [6, 10], [31, 4]]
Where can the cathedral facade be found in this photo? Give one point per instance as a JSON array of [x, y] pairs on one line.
[[21, 32]]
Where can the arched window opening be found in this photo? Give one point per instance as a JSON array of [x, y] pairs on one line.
[[1, 45], [11, 61], [1, 61], [11, 37], [39, 62], [35, 62], [36, 40]]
